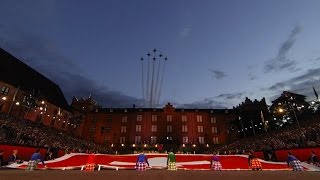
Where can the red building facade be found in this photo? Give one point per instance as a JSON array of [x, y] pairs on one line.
[[135, 127], [25, 93]]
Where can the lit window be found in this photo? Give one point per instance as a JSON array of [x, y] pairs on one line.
[[184, 128], [122, 140], [154, 118], [137, 139], [154, 128], [139, 117], [215, 140], [169, 118], [4, 90], [201, 140], [138, 128], [123, 129], [184, 118], [185, 140], [213, 120], [124, 119], [199, 118], [200, 129], [214, 130]]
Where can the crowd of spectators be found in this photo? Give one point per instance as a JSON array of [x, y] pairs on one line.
[[308, 135], [27, 133], [17, 131]]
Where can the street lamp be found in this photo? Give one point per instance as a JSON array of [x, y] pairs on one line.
[[4, 98]]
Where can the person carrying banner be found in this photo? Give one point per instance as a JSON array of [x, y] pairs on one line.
[[171, 161], [142, 162], [294, 162], [215, 163], [254, 162], [34, 160]]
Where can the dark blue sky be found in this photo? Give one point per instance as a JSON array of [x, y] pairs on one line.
[[219, 51]]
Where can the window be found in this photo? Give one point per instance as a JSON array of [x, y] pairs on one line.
[[124, 119], [92, 129], [200, 129], [122, 140], [199, 118], [137, 139], [94, 120], [107, 129], [138, 128], [53, 121], [169, 128], [4, 90], [184, 118], [109, 119], [169, 118], [185, 140], [154, 128], [214, 130], [154, 118], [123, 129], [139, 117], [213, 120], [106, 139], [215, 140], [153, 139], [184, 128], [201, 140]]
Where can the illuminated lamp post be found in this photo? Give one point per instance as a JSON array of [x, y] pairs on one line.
[[194, 148]]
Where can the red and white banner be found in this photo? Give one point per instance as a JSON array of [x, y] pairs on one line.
[[158, 161]]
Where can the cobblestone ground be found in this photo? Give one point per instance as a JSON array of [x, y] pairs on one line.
[[156, 175]]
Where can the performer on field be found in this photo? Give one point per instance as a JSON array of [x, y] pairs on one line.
[[142, 162], [215, 163], [254, 162], [90, 166], [171, 161], [14, 157], [34, 160], [294, 162], [313, 159]]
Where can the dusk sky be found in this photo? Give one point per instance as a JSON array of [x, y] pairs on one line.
[[219, 52]]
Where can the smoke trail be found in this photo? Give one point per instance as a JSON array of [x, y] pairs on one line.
[[157, 81], [151, 92], [143, 95], [164, 66], [147, 94]]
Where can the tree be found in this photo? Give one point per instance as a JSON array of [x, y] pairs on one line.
[[289, 108]]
